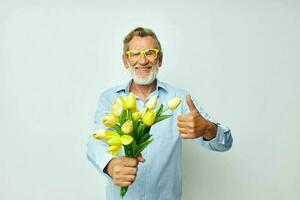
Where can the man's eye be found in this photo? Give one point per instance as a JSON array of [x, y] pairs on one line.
[[135, 53], [150, 52]]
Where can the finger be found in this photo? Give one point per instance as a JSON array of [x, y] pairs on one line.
[[140, 158], [126, 178], [123, 184], [183, 118], [129, 171], [183, 131], [184, 125], [130, 162], [191, 104], [186, 136]]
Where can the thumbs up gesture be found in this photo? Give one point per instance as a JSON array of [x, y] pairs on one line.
[[194, 125]]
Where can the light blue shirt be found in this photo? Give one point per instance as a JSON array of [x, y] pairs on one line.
[[160, 176]]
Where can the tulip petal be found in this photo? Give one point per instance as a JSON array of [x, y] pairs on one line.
[[110, 120], [123, 102], [116, 109], [173, 103], [115, 149], [111, 134], [149, 117], [114, 141], [99, 134], [127, 127], [126, 139], [136, 115], [143, 112], [131, 101], [152, 103]]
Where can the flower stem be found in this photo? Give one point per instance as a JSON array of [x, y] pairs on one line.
[[123, 191], [164, 110]]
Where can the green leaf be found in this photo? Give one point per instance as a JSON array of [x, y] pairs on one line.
[[142, 146], [160, 118], [126, 149], [135, 128], [145, 129], [130, 115], [134, 147], [158, 113], [139, 131], [123, 117], [142, 130], [128, 152], [144, 138], [117, 128]]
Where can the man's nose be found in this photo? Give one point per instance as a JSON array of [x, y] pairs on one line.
[[143, 60]]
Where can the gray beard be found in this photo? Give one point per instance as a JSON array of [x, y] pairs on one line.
[[144, 81]]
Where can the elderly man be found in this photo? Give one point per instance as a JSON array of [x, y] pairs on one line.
[[157, 173]]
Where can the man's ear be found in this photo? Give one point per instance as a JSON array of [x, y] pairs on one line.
[[160, 59], [124, 61]]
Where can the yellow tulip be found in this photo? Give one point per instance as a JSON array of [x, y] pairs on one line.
[[131, 101], [149, 117], [119, 140], [122, 101], [126, 139], [143, 112], [103, 134], [151, 103], [110, 120], [116, 143], [136, 116], [114, 139], [115, 149], [127, 127], [99, 134], [110, 134], [173, 103], [116, 109], [135, 109]]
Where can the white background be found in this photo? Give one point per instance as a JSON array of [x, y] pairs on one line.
[[239, 58]]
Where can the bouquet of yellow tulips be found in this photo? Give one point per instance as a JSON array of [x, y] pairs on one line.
[[130, 128]]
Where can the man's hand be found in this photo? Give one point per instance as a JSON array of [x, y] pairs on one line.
[[194, 125], [123, 170]]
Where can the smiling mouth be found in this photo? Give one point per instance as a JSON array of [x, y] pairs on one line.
[[142, 68]]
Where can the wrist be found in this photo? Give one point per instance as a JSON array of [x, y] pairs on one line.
[[210, 131], [108, 168]]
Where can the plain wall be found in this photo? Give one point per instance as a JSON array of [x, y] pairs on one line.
[[239, 58]]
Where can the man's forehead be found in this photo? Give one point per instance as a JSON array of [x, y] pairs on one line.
[[138, 42]]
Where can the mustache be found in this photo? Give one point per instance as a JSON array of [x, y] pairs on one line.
[[140, 66], [143, 66]]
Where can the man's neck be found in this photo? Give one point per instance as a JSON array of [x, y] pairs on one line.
[[143, 91]]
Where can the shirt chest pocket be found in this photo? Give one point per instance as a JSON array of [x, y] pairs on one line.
[[165, 129]]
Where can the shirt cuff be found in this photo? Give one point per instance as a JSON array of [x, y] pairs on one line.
[[103, 164], [220, 136]]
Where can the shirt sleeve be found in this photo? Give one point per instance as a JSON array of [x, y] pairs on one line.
[[96, 149], [223, 140]]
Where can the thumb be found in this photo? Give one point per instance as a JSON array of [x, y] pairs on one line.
[[140, 158], [191, 104]]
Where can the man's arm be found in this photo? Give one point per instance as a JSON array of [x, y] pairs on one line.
[[96, 149], [121, 170], [197, 124]]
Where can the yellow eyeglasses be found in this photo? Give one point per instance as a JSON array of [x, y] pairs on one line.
[[150, 54]]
